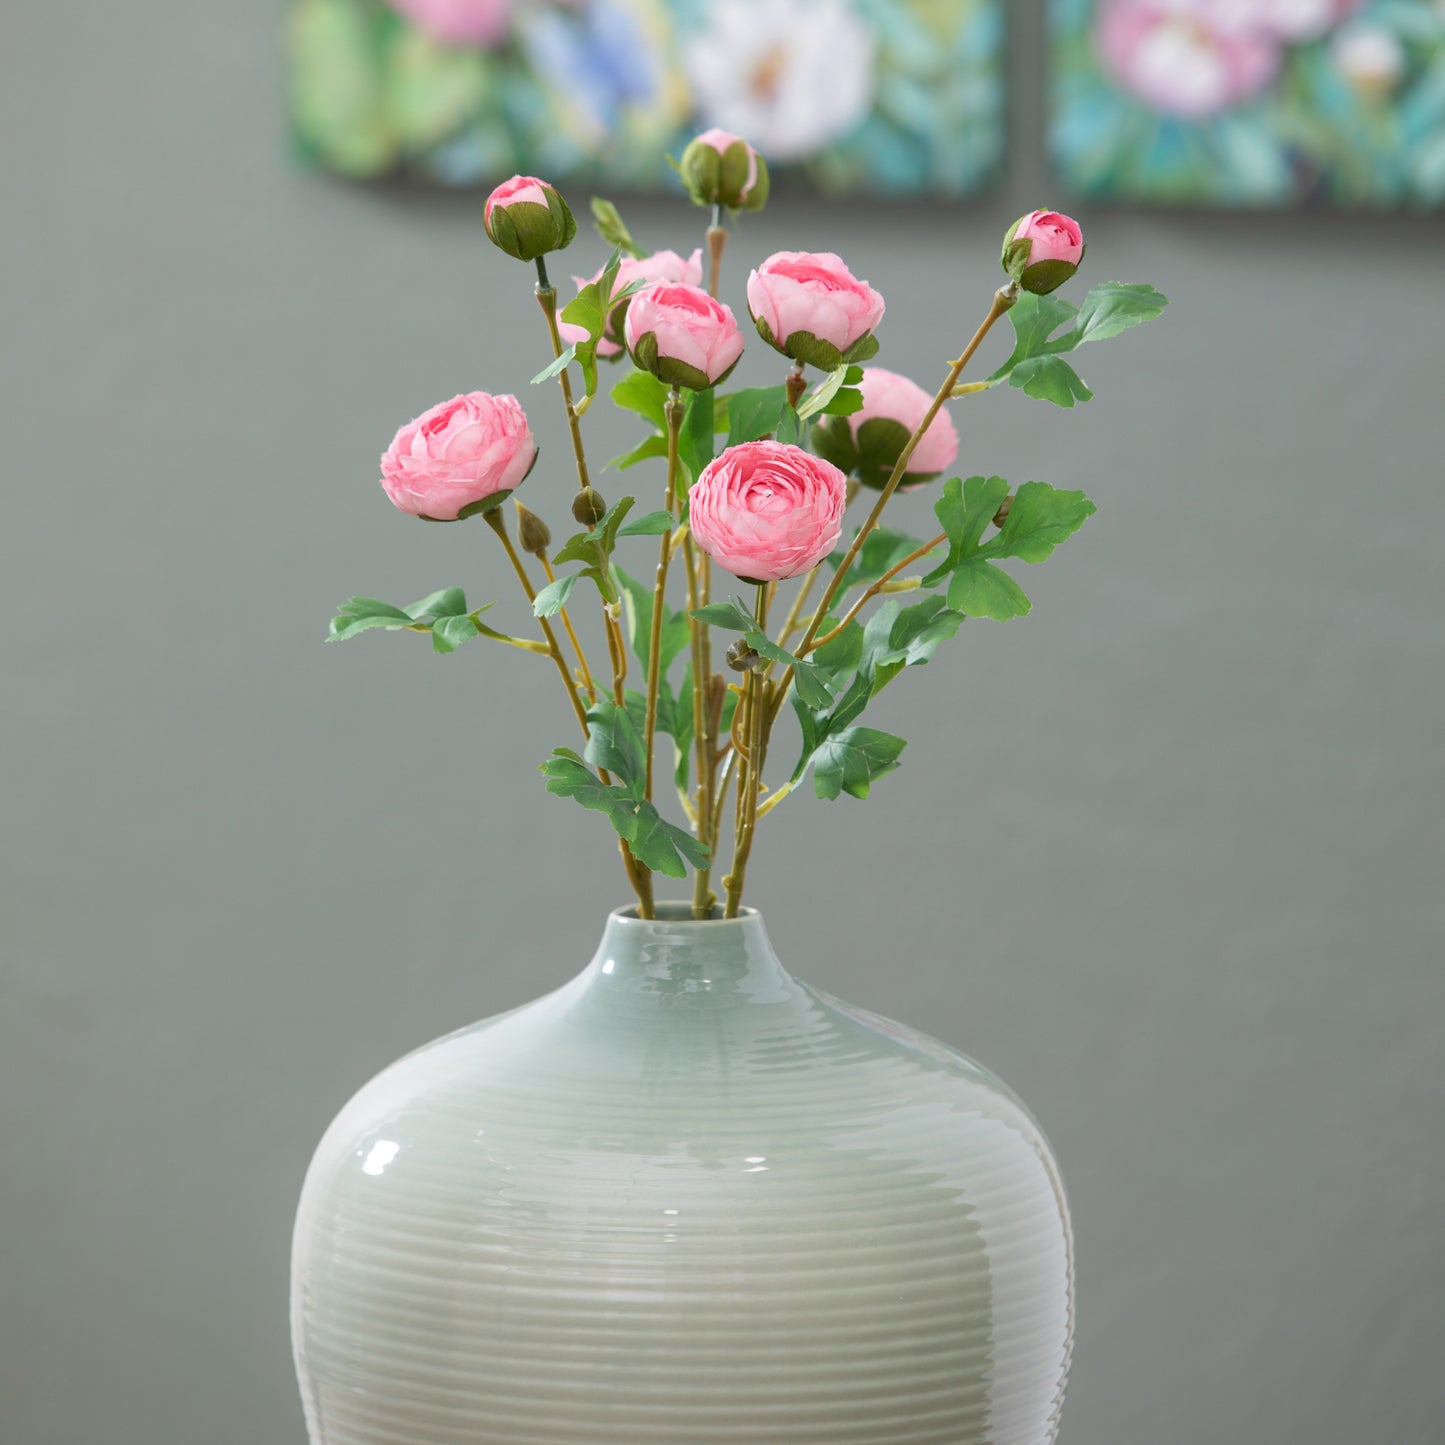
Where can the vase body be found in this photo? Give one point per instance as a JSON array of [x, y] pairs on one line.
[[684, 1199]]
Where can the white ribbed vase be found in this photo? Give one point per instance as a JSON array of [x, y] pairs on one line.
[[685, 1199]]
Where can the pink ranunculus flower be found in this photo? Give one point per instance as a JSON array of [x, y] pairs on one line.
[[452, 461], [682, 335], [526, 217], [867, 443], [722, 169], [765, 511], [459, 22], [1042, 250], [656, 269], [1181, 59], [811, 307]]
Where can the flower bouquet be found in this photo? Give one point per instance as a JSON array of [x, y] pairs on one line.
[[754, 485], [685, 1196]]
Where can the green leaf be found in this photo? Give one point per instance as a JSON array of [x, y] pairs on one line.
[[448, 633], [643, 393], [614, 743], [1115, 306], [1046, 378], [820, 399], [754, 413], [1039, 518], [897, 639], [612, 228], [979, 589], [596, 547], [553, 597], [852, 760], [695, 440], [675, 633], [730, 615], [557, 366], [808, 679], [644, 451], [1045, 327], [357, 614], [651, 524], [790, 429], [662, 846], [965, 509], [449, 602]]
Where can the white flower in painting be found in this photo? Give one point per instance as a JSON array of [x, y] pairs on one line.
[[790, 76], [1369, 57]]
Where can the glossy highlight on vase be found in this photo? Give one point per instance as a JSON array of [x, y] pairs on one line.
[[685, 1197]]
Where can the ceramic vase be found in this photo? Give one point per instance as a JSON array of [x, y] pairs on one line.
[[684, 1199]]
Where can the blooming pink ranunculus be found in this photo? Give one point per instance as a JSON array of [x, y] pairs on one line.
[[459, 22], [765, 510], [1055, 237], [457, 455], [682, 335], [811, 307], [1181, 59], [896, 398], [661, 266]]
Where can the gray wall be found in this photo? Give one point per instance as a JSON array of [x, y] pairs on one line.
[[1167, 855]]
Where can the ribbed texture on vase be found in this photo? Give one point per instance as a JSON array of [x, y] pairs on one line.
[[685, 1199]]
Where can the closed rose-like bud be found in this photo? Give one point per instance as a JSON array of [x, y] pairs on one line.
[[526, 218], [1042, 250], [811, 307], [742, 658], [682, 336], [765, 510], [588, 508], [460, 458], [867, 443], [661, 266], [533, 533], [722, 169]]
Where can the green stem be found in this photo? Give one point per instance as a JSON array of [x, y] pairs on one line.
[[673, 412], [702, 895], [750, 776]]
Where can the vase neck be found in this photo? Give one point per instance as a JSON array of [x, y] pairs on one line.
[[713, 962]]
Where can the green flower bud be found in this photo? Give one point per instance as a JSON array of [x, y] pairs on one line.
[[526, 218], [532, 532], [588, 508], [721, 169]]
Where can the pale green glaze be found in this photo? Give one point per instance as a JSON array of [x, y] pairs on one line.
[[685, 1199]]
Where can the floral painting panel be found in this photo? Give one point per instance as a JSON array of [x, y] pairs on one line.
[[892, 96], [1251, 102]]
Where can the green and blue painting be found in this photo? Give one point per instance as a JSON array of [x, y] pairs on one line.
[[1251, 102], [874, 96]]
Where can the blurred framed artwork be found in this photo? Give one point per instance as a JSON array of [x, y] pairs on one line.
[[1251, 102], [873, 96]]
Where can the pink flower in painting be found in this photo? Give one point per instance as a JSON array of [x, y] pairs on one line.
[[811, 307], [457, 455], [765, 511], [1179, 59], [682, 336], [660, 268], [459, 22], [1288, 20]]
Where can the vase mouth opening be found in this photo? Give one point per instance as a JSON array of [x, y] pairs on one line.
[[675, 913]]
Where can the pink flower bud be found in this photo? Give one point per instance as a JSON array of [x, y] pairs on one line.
[[867, 443], [660, 267], [460, 458], [722, 169], [682, 336], [1042, 250], [527, 218], [459, 22], [765, 511], [811, 307]]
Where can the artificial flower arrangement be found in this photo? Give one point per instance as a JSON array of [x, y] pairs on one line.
[[755, 487]]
